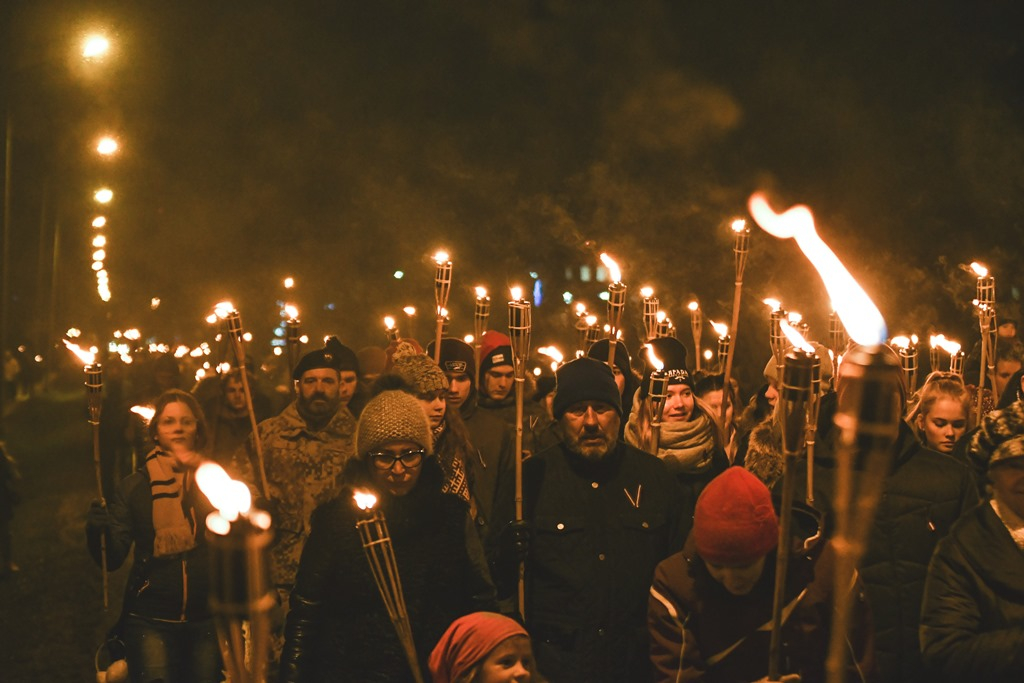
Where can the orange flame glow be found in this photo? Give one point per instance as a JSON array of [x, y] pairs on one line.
[[365, 500], [647, 292], [441, 257], [87, 357], [516, 292], [721, 328], [739, 225], [292, 311], [481, 292], [774, 304], [613, 267], [693, 305], [229, 496], [860, 316], [794, 337], [656, 362], [979, 270]]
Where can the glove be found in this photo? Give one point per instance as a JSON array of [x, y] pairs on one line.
[[98, 517], [516, 539]]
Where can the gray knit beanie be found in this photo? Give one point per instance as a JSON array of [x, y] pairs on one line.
[[421, 373], [389, 417]]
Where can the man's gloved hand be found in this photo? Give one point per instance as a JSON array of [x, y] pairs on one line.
[[516, 538], [98, 517]]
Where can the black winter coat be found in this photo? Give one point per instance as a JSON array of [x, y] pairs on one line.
[[923, 495], [599, 530], [172, 588], [338, 628], [972, 620]]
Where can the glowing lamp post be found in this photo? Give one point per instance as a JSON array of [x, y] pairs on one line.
[[241, 591], [697, 329], [869, 410], [616, 304], [442, 288]]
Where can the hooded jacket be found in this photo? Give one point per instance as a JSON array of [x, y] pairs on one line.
[[972, 620], [702, 632]]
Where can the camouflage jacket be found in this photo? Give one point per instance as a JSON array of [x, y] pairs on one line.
[[303, 471]]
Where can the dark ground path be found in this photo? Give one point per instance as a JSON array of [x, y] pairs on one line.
[[51, 612]]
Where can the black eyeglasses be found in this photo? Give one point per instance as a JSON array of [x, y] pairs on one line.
[[386, 461]]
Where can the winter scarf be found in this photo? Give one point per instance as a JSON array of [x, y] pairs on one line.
[[1013, 523], [685, 447], [455, 481], [174, 533]]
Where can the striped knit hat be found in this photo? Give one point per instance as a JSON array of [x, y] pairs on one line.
[[389, 417]]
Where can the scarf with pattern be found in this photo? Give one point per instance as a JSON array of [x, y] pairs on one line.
[[174, 532]]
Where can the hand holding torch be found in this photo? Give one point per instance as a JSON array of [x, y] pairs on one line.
[[520, 324], [442, 288]]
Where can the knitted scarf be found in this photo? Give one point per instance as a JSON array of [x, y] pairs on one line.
[[451, 463], [174, 533], [685, 447]]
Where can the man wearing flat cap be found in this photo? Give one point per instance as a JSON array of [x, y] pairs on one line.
[[305, 449], [599, 515]]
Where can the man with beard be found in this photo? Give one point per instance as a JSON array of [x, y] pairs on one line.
[[599, 515], [305, 449]]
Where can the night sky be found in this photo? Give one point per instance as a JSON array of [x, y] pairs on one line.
[[339, 141]]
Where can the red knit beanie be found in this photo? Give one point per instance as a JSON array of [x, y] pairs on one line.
[[468, 640], [734, 523]]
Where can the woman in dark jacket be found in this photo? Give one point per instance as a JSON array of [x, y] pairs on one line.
[[338, 628], [972, 620], [167, 626]]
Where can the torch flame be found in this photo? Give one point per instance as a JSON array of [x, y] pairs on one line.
[[794, 318], [551, 352], [739, 225], [979, 270], [693, 305], [859, 314], [900, 342], [389, 322], [230, 497], [481, 292], [581, 308], [721, 328], [647, 292], [613, 267], [87, 357], [660, 316], [223, 309], [914, 339], [775, 304], [365, 500], [145, 412], [951, 347], [591, 319], [652, 357], [794, 337], [516, 292], [292, 311], [441, 257]]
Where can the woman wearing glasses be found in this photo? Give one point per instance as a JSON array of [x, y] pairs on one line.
[[338, 628], [939, 416]]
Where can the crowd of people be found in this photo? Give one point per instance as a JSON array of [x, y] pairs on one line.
[[636, 540]]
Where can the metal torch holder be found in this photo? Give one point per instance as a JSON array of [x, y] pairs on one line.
[[664, 329], [293, 342], [442, 288], [520, 324], [724, 345], [696, 331], [908, 361], [657, 393], [94, 396], [650, 316], [956, 363], [616, 304], [777, 339]]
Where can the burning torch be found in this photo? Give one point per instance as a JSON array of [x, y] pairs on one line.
[[869, 408], [724, 345], [740, 249], [390, 329], [657, 392], [442, 288], [94, 397], [240, 585], [226, 311], [582, 327], [380, 553], [650, 312], [480, 315], [616, 304], [906, 349], [520, 324], [292, 336], [697, 329]]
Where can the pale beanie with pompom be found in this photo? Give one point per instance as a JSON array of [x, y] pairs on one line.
[[389, 417]]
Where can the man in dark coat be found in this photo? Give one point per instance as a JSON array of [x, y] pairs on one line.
[[924, 493], [602, 515]]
